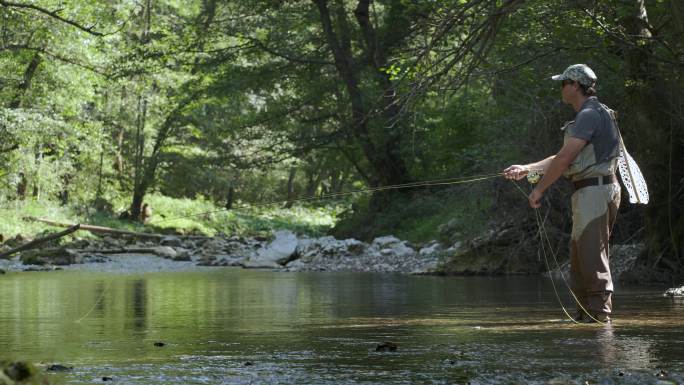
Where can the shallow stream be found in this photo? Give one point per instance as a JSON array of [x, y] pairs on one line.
[[235, 326]]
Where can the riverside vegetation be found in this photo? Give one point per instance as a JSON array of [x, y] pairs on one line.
[[204, 105]]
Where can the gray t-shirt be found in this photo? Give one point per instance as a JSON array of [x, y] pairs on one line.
[[594, 124]]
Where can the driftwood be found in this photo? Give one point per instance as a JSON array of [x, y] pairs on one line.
[[109, 230], [132, 250], [36, 242], [98, 229]]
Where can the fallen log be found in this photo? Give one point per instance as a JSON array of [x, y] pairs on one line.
[[109, 230], [131, 250], [98, 229], [33, 244]]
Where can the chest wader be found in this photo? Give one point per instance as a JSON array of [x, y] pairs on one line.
[[594, 209]]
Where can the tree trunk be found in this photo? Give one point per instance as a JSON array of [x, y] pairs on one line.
[[387, 168], [651, 99], [26, 81], [230, 198], [140, 183], [290, 188]]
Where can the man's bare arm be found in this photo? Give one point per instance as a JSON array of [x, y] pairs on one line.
[[519, 171]]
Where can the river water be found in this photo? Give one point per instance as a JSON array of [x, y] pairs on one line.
[[235, 326]]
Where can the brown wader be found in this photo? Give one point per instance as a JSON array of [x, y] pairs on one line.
[[594, 209]]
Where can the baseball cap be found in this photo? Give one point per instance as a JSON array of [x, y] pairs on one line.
[[579, 73]]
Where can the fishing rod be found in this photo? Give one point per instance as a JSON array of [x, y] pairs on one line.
[[427, 183]]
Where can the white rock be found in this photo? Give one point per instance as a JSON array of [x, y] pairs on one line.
[[165, 251], [430, 249], [279, 250], [385, 241]]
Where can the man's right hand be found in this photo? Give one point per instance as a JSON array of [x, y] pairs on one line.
[[516, 172]]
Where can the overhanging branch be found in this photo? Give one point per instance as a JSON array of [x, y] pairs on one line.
[[53, 14]]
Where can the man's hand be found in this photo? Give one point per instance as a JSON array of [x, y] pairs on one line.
[[534, 198], [516, 172]]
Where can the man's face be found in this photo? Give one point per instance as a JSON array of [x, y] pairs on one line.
[[569, 89]]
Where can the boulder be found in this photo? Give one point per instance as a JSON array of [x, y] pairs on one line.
[[329, 248], [55, 256], [430, 249], [296, 265], [171, 241], [182, 255], [279, 251], [165, 252], [385, 241], [392, 246]]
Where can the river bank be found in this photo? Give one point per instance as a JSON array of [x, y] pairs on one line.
[[290, 252]]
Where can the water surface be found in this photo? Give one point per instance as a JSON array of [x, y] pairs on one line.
[[226, 326]]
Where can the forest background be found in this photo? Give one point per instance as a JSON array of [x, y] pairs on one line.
[[217, 106]]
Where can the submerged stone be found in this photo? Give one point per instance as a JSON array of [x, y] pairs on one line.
[[19, 372], [59, 368], [386, 347]]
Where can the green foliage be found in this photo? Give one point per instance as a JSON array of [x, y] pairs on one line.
[[444, 214], [186, 100], [171, 215]]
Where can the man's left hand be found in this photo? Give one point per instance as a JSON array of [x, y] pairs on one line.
[[534, 198]]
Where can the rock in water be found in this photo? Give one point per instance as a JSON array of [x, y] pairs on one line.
[[59, 368], [386, 347]]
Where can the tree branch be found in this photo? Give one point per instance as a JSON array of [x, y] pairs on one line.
[[53, 14]]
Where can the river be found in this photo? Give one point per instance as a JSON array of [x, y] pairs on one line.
[[235, 326]]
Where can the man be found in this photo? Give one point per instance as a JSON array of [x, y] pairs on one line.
[[588, 158]]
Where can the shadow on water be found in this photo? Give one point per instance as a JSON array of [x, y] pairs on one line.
[[240, 326], [139, 303]]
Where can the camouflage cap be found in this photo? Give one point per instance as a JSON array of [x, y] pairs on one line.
[[579, 73]]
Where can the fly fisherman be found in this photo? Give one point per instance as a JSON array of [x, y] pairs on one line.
[[588, 158]]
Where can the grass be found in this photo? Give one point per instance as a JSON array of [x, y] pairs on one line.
[[422, 216], [171, 215]]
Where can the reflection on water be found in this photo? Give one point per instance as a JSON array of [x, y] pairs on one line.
[[241, 326]]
